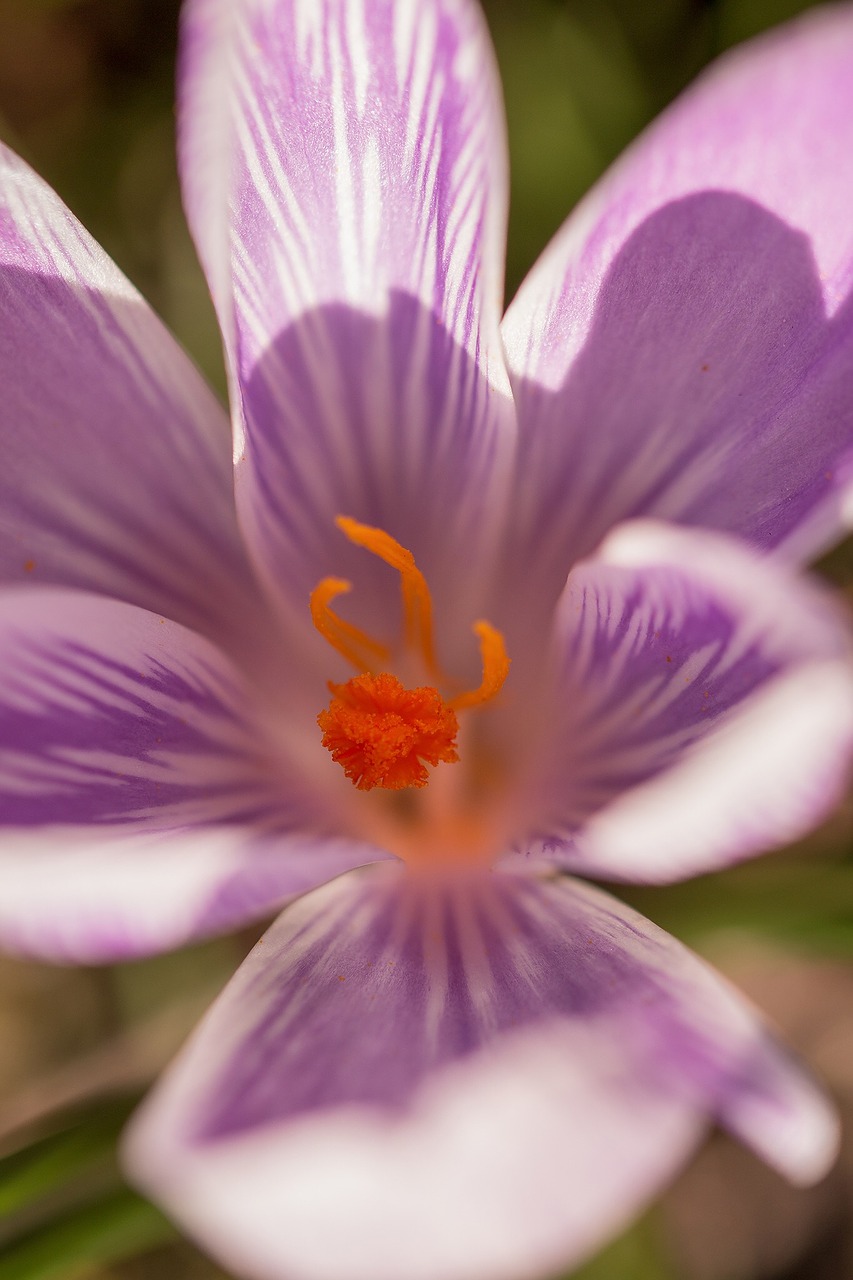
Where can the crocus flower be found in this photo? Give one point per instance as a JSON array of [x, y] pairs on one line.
[[415, 674]]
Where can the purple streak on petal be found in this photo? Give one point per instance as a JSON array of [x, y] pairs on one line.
[[360, 147], [115, 459], [385, 420], [418, 977], [111, 714], [706, 709], [683, 347], [143, 800], [278, 866], [393, 1038]]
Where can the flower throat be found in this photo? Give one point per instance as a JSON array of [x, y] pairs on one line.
[[381, 733]]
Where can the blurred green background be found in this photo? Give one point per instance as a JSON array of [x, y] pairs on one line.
[[86, 95]]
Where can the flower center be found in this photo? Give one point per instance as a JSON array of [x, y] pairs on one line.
[[381, 733]]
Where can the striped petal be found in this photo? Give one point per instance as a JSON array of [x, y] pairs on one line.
[[358, 148], [115, 470], [458, 1081], [140, 803], [684, 346], [707, 709]]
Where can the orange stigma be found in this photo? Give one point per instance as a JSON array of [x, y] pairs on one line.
[[381, 733]]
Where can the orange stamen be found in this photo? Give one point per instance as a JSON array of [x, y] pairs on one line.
[[382, 733], [342, 635], [417, 601], [495, 661]]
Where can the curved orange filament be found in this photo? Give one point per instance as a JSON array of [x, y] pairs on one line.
[[495, 661], [417, 601], [342, 635]]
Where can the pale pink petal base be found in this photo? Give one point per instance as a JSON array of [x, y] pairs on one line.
[[476, 1080]]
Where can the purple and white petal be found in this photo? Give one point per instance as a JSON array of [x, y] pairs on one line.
[[141, 802], [363, 146], [473, 1078], [89, 895], [112, 715], [359, 147], [706, 709], [682, 349], [115, 473]]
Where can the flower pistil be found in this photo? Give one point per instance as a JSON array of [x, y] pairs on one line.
[[382, 733]]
